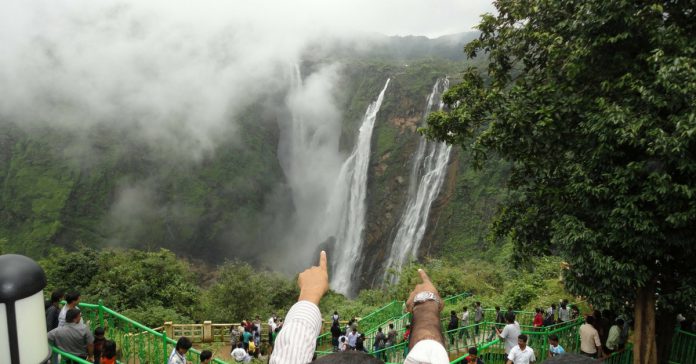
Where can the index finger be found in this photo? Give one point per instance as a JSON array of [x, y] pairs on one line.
[[424, 276], [322, 260]]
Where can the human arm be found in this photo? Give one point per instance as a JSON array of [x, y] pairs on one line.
[[598, 344], [296, 342], [90, 352], [426, 341]]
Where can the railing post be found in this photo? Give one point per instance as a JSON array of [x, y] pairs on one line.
[[208, 331], [165, 354], [101, 313], [168, 329]]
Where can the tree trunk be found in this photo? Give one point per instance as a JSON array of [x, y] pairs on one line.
[[644, 344]]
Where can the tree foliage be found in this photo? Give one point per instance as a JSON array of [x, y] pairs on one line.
[[241, 293], [593, 103]]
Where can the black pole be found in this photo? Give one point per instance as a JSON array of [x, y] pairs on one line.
[[12, 332]]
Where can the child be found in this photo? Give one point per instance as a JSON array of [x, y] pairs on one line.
[[473, 358], [343, 345], [206, 356], [554, 348], [108, 355]]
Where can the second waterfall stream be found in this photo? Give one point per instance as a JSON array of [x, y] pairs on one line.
[[348, 204], [427, 174]]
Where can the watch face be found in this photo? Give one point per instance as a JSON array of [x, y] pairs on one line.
[[424, 296]]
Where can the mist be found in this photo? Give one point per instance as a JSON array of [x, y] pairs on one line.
[[175, 79]]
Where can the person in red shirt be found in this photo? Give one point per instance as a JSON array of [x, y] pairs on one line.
[[473, 358], [538, 318]]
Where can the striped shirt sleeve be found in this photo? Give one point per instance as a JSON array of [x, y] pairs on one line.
[[297, 339]]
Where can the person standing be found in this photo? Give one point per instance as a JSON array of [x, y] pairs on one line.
[[380, 342], [465, 322], [478, 317], [99, 341], [550, 318], [563, 312], [72, 299], [271, 328], [612, 343], [53, 310], [510, 333], [73, 337], [538, 318], [499, 322], [590, 345], [178, 355], [452, 326], [391, 336], [353, 338], [335, 334], [521, 354]]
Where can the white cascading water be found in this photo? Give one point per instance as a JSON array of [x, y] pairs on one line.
[[427, 175], [309, 154], [348, 206]]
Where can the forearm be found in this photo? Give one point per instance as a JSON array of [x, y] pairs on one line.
[[90, 349], [426, 323], [297, 339]]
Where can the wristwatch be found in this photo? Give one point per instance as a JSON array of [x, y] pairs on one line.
[[425, 296]]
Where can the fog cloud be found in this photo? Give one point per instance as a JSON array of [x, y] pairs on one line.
[[178, 75]]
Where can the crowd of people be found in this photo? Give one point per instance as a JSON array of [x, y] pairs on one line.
[[294, 340], [245, 339], [68, 332]]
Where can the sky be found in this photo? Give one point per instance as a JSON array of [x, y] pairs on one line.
[[431, 18]]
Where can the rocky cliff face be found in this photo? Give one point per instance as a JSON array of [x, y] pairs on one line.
[[105, 188]]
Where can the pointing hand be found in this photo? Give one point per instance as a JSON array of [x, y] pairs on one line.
[[314, 281]]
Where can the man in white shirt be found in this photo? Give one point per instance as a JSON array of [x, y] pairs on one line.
[[521, 354], [353, 338], [72, 300], [271, 328], [589, 339], [510, 332], [465, 323], [178, 355], [296, 342]]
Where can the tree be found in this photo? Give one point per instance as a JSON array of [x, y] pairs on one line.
[[593, 104], [241, 292]]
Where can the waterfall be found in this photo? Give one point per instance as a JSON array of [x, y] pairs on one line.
[[427, 174], [348, 206], [311, 160]]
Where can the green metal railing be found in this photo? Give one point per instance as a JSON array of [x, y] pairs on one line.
[[683, 348], [135, 341], [624, 356], [64, 357], [370, 322], [491, 352], [391, 310]]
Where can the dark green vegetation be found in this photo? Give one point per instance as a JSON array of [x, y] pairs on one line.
[[593, 104], [154, 287]]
